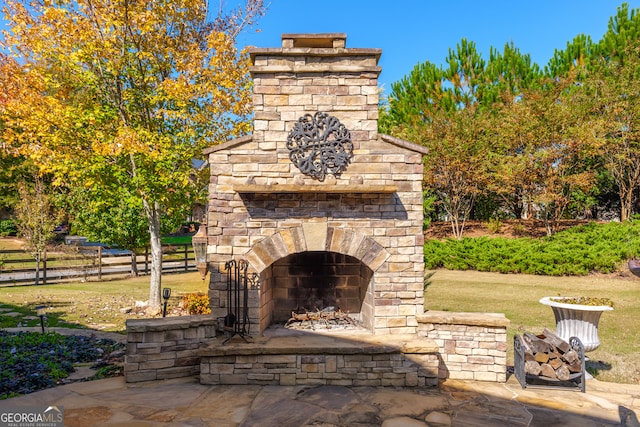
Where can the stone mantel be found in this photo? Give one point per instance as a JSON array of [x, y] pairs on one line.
[[316, 188]]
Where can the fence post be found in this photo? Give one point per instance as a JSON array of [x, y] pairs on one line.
[[99, 262], [44, 268], [146, 260], [186, 257]]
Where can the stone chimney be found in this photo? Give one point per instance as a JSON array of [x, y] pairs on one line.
[[310, 73]]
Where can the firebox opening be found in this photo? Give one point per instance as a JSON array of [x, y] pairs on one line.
[[315, 281]]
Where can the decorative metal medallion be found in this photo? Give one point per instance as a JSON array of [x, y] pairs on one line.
[[320, 144]]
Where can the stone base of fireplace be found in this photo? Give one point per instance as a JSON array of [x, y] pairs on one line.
[[448, 345], [346, 359]]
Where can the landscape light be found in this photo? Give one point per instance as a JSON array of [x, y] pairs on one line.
[[41, 311], [166, 293]]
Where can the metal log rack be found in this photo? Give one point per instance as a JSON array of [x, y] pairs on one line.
[[575, 382]]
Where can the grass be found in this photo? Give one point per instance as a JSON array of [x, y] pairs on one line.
[[93, 305], [176, 240], [618, 357]]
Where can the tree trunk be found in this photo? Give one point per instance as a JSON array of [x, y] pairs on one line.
[[37, 278], [155, 285], [626, 204], [518, 204]]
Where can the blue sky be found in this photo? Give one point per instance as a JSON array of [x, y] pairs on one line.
[[413, 31]]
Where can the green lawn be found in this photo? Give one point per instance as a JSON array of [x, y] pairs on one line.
[[517, 296], [176, 240], [94, 305]]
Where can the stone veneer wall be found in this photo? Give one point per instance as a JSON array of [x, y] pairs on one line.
[[447, 345], [159, 349], [473, 346], [377, 369], [372, 211]]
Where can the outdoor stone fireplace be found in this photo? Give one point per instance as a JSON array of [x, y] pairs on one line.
[[322, 211], [326, 211]]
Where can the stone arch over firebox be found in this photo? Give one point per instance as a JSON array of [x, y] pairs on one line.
[[310, 238], [316, 237]]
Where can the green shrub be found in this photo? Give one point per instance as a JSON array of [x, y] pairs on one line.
[[8, 227], [591, 248], [196, 303], [428, 208]]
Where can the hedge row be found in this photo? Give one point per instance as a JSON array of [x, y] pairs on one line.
[[579, 250]]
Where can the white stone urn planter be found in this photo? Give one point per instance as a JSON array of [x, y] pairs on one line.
[[577, 320]]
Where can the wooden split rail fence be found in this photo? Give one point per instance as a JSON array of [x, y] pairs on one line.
[[88, 263]]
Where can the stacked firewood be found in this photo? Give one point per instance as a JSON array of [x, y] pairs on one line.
[[325, 317], [547, 355]]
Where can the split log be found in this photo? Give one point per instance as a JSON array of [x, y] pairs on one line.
[[532, 367], [562, 373], [536, 344], [528, 352], [556, 341], [575, 366], [541, 357], [571, 356], [555, 363], [547, 371]]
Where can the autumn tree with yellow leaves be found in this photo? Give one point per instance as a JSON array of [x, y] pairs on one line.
[[113, 94]]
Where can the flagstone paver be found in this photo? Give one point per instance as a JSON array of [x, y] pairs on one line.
[[186, 402]]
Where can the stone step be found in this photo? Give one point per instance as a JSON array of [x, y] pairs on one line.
[[356, 360]]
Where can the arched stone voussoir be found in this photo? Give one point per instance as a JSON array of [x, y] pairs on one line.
[[266, 252], [371, 253], [339, 240]]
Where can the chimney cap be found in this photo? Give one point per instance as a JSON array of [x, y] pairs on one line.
[[317, 40]]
